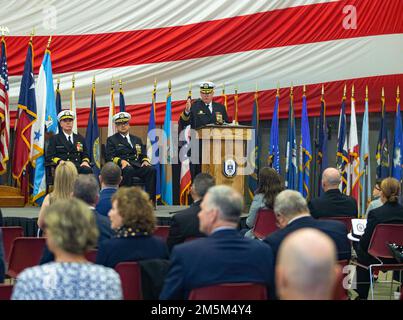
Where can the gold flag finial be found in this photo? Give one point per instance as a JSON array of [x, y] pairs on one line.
[[155, 83], [4, 31], [93, 81], [112, 82], [58, 81], [73, 80], [366, 92], [304, 89], [383, 91], [120, 84], [352, 91], [292, 89], [345, 90], [236, 89], [278, 88], [223, 88], [169, 85], [398, 92], [32, 34], [49, 41], [323, 89]]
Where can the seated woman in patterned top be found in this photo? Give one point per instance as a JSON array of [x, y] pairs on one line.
[[71, 231], [132, 216]]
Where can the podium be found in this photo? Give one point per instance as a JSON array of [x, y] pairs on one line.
[[226, 153]]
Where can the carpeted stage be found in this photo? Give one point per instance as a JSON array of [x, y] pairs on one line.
[[26, 217]]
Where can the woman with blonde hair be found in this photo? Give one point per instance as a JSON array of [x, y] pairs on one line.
[[132, 217], [65, 176], [71, 231], [391, 212]]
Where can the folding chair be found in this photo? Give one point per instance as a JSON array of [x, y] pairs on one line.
[[162, 231], [230, 291], [340, 293], [345, 220], [5, 291], [130, 276], [383, 234], [265, 223], [25, 252], [9, 234], [91, 255]]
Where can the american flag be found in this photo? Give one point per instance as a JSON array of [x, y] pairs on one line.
[[4, 110]]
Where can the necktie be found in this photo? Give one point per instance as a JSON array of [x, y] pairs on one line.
[[128, 140], [70, 140]]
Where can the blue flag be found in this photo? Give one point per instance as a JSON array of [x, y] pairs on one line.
[[152, 146], [365, 163], [274, 148], [322, 152], [291, 149], [342, 150], [92, 136], [252, 179], [382, 148], [305, 152], [122, 104], [46, 119], [397, 145], [166, 168]]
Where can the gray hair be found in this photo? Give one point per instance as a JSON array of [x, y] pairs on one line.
[[201, 183], [227, 200], [290, 203], [86, 188]]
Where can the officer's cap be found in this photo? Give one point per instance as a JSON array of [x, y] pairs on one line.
[[66, 114], [207, 87], [121, 117]]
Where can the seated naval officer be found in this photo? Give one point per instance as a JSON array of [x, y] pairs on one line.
[[129, 153], [68, 146]]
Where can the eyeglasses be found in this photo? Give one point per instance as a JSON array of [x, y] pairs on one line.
[[122, 124]]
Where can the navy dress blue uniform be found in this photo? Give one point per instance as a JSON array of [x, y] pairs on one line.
[[60, 148], [118, 149], [223, 257]]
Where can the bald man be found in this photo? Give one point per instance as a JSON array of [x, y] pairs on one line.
[[332, 202], [306, 267]]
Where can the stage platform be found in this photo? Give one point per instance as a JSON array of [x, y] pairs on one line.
[[27, 217]]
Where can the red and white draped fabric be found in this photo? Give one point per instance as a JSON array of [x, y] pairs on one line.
[[185, 177], [4, 110], [237, 43]]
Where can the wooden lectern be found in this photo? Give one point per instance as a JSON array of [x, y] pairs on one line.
[[224, 153]]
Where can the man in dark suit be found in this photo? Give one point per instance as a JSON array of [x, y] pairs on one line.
[[292, 214], [86, 189], [68, 146], [200, 113], [129, 153], [110, 178], [185, 224], [332, 202], [222, 257]]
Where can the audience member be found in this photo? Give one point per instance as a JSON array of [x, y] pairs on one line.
[[71, 230], [110, 178], [390, 213], [306, 266], [224, 256], [86, 189], [65, 176], [332, 202], [270, 184], [132, 216], [292, 213], [376, 193], [185, 224]]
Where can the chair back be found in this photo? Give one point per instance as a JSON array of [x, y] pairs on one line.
[[25, 252], [340, 293], [384, 234], [265, 223], [9, 234], [5, 291], [230, 291], [162, 231], [191, 239], [91, 255], [346, 220], [130, 276]]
